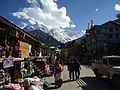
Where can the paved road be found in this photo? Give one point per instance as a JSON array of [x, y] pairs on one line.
[[87, 81]]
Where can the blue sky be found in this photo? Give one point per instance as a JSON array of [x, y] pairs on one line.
[[69, 14]]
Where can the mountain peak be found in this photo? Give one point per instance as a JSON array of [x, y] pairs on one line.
[[59, 34]]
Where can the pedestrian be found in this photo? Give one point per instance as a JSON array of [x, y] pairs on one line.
[[71, 70], [58, 69], [77, 69]]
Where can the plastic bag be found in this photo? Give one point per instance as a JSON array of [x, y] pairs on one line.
[[36, 87]]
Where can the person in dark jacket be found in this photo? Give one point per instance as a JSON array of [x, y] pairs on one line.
[[77, 69], [71, 70]]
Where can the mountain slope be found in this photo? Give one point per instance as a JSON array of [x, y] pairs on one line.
[[45, 38], [64, 35], [60, 35]]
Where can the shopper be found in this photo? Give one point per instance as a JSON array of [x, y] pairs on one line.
[[58, 69]]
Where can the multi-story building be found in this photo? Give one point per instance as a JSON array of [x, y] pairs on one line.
[[104, 39]]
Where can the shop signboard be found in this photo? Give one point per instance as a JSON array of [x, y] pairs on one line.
[[8, 63], [24, 48]]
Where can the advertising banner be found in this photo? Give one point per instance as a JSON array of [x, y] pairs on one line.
[[24, 47], [8, 63]]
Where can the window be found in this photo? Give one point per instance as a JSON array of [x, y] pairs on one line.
[[105, 62], [117, 36], [105, 28], [114, 61], [110, 36], [117, 29], [91, 51], [110, 29]]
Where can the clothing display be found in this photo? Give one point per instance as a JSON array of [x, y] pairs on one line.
[[2, 76], [13, 86]]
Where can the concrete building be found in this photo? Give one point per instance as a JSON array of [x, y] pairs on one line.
[[104, 39]]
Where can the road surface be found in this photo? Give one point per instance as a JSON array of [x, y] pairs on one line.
[[87, 81]]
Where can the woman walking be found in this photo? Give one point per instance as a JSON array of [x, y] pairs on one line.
[[57, 74]]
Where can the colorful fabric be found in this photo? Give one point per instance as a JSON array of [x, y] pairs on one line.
[[13, 86], [37, 83]]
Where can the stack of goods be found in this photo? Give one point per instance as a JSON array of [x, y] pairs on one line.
[[2, 76], [33, 84], [12, 86], [8, 78]]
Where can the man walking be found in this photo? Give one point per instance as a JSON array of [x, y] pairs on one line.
[[71, 70], [77, 69]]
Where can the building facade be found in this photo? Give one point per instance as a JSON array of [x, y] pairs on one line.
[[104, 39]]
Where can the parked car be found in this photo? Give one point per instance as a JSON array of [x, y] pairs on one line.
[[109, 67]]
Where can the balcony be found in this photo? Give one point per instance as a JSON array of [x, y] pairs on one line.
[[112, 41]]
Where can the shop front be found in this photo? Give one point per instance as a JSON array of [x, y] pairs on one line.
[[6, 70]]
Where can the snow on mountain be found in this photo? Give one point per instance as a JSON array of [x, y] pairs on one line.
[[45, 38], [64, 35], [60, 35], [36, 27]]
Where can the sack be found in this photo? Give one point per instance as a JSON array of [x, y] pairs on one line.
[[36, 87]]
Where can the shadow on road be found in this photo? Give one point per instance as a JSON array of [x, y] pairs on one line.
[[66, 81], [51, 88], [53, 84], [92, 83]]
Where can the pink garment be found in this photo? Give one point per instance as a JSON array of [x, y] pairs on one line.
[[57, 76], [37, 83], [13, 86]]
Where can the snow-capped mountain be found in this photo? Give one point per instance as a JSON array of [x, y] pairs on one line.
[[60, 35], [63, 35], [45, 38], [36, 27]]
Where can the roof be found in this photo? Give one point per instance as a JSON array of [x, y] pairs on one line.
[[116, 22], [5, 21], [92, 28]]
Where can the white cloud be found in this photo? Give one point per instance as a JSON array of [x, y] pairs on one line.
[[55, 0], [72, 26], [23, 25], [49, 15], [83, 31], [117, 7], [32, 22], [31, 1], [97, 9], [12, 21]]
